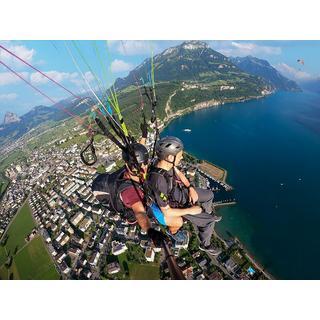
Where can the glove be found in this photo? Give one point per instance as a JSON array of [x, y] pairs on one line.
[[144, 129], [156, 236]]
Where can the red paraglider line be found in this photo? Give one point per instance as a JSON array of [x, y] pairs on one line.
[[38, 90], [34, 68], [42, 93]]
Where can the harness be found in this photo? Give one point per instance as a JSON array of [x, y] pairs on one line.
[[113, 185], [173, 183]]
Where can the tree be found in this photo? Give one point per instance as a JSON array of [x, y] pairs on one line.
[[126, 267]]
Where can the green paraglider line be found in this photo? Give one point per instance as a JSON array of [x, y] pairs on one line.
[[88, 65], [103, 66]]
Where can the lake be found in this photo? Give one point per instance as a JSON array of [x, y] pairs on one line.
[[271, 149]]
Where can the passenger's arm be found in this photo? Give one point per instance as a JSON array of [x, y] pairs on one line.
[[177, 212], [141, 216], [182, 177], [193, 195]]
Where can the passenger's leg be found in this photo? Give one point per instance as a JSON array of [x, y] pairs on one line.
[[174, 223], [205, 199], [205, 225]]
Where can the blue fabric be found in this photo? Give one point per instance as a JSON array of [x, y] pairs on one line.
[[158, 214]]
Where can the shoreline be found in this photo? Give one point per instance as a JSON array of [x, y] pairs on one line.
[[206, 105], [254, 262], [210, 104]]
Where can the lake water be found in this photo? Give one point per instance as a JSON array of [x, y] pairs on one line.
[[271, 149]]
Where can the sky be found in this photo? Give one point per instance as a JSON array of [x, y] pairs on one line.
[[101, 62]]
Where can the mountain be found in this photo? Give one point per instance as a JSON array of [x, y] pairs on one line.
[[10, 117], [40, 115], [262, 68], [188, 76], [190, 61]]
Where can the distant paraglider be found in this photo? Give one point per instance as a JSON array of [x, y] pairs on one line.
[[301, 61]]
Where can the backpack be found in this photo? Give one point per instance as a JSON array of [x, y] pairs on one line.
[[112, 184]]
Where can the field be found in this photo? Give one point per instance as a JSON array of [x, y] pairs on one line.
[[3, 255], [30, 260], [213, 171], [144, 271], [21, 226], [138, 271], [34, 262], [12, 157], [3, 185]]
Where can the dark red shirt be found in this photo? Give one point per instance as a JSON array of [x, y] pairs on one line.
[[131, 195]]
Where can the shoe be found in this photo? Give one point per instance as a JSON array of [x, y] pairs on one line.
[[179, 236], [211, 249], [131, 219], [217, 218]]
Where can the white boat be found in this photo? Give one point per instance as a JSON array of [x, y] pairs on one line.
[[187, 130]]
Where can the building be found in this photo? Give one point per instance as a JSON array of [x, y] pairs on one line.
[[200, 276], [60, 236], [46, 236], [52, 251], [188, 272], [74, 252], [122, 231], [230, 265], [118, 247], [64, 268], [149, 254], [77, 240], [93, 261], [70, 231], [85, 224], [215, 276], [203, 263], [64, 240], [113, 268], [60, 257], [77, 218], [183, 244]]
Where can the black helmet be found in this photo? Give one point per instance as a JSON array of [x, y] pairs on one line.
[[135, 155], [168, 146]]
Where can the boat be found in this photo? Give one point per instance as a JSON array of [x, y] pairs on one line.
[[187, 130]]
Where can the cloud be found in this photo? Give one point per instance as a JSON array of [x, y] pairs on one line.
[[8, 96], [20, 50], [293, 73], [120, 66], [240, 49], [133, 47], [79, 81], [7, 78], [38, 79]]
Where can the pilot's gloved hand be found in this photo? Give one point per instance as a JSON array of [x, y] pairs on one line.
[[144, 129]]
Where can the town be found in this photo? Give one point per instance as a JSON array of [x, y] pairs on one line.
[[86, 240]]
